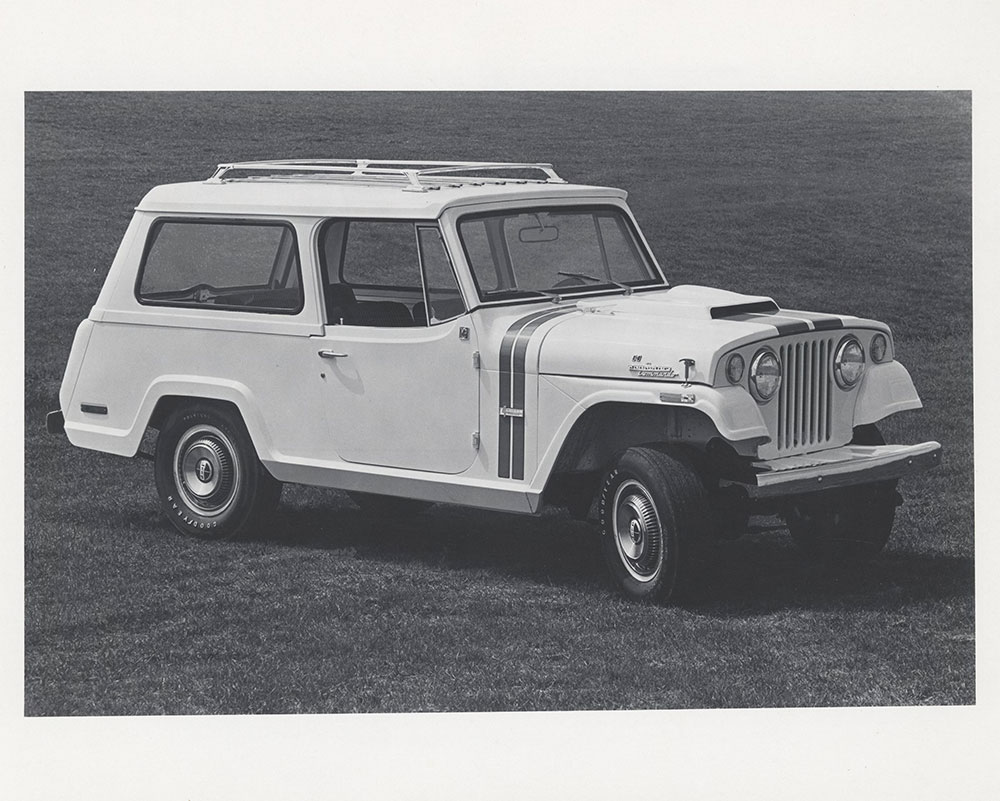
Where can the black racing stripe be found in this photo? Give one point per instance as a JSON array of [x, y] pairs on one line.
[[517, 393], [820, 322], [783, 325], [517, 456], [506, 371], [828, 324], [787, 326], [503, 455]]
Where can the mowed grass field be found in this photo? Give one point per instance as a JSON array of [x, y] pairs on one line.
[[840, 202]]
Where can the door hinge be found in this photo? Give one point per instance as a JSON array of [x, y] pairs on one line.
[[476, 361], [475, 440]]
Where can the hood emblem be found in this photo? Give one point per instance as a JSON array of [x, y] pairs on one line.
[[646, 369]]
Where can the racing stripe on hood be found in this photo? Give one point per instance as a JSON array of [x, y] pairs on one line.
[[510, 458], [820, 322], [791, 322], [783, 325]]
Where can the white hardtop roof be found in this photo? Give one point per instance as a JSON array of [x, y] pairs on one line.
[[417, 190]]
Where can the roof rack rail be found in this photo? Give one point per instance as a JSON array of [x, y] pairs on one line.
[[416, 176]]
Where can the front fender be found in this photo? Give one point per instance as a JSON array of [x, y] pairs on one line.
[[731, 410], [886, 389]]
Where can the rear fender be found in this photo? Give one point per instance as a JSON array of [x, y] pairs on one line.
[[126, 441]]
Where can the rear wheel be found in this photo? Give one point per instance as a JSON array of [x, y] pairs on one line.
[[210, 481], [651, 506]]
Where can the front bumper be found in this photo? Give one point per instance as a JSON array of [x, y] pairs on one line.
[[839, 467]]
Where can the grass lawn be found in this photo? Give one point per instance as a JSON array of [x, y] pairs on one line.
[[843, 202]]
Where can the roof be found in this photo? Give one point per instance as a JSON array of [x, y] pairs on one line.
[[315, 199], [364, 188]]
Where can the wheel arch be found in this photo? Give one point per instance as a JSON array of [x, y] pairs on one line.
[[607, 429], [621, 414], [603, 432], [169, 394]]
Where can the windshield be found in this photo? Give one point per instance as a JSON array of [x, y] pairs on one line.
[[562, 251]]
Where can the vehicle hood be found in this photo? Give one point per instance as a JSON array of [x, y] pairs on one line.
[[647, 335]]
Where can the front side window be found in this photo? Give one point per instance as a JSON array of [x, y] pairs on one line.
[[525, 252], [235, 266], [387, 274], [382, 254]]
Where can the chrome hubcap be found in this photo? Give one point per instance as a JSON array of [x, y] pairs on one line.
[[637, 531], [205, 470]]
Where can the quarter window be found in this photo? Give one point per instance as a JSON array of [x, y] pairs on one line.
[[235, 266], [443, 297]]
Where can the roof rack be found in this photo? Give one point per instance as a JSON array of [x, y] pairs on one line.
[[416, 176]]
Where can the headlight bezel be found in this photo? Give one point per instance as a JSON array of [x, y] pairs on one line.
[[838, 363], [754, 373]]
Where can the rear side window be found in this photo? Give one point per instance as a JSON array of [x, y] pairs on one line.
[[235, 266]]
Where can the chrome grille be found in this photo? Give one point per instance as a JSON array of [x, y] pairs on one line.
[[805, 414]]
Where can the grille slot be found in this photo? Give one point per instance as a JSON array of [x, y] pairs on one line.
[[805, 396]]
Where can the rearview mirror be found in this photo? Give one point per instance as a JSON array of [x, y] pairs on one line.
[[540, 233]]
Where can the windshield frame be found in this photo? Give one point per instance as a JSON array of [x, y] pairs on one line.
[[504, 297]]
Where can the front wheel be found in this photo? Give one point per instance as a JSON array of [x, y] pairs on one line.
[[210, 481], [651, 505]]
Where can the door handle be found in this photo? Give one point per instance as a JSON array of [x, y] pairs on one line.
[[331, 354]]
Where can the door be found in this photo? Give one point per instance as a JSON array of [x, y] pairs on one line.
[[398, 359]]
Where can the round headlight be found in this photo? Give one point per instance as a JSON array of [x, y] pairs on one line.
[[880, 346], [734, 368], [849, 363], [765, 374]]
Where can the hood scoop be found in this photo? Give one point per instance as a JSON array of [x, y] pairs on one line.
[[755, 307]]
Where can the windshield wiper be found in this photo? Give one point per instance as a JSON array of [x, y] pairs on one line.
[[584, 277], [514, 292]]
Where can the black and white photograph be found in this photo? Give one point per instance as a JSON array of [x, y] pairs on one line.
[[421, 415]]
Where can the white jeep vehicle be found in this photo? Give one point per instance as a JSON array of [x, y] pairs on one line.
[[482, 334]]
